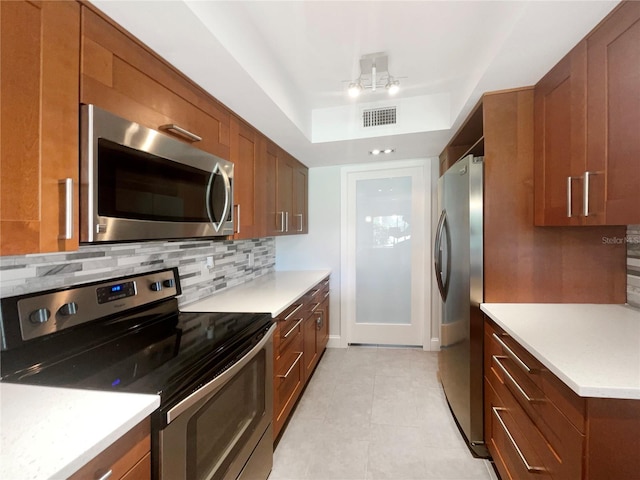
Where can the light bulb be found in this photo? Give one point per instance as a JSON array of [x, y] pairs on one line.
[[375, 152], [393, 87], [354, 89]]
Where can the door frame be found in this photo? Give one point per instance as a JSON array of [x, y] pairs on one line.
[[347, 275]]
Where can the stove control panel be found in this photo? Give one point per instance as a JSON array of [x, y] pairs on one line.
[[54, 310]]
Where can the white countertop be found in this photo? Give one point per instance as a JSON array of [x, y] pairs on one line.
[[594, 349], [50, 433], [270, 293]]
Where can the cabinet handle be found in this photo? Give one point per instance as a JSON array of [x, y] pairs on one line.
[[286, 221], [301, 227], [515, 357], [291, 367], [181, 132], [293, 312], [238, 219], [326, 295], [315, 305], [569, 194], [105, 476], [498, 359], [68, 209], [523, 459], [281, 222], [293, 328], [585, 202], [319, 322]]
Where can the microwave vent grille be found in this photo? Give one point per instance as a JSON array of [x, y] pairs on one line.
[[375, 117]]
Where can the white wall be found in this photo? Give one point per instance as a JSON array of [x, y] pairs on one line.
[[320, 248]]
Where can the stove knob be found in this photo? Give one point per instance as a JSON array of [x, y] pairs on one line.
[[169, 283], [68, 309], [39, 316], [156, 286]]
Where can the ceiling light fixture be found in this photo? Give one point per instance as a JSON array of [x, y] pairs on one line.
[[378, 151], [374, 74]]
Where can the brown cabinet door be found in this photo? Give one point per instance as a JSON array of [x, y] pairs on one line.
[[284, 192], [39, 133], [310, 334], [300, 220], [247, 155], [559, 141], [121, 75], [323, 327], [272, 217], [613, 111]]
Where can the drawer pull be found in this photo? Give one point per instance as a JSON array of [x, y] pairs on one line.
[[326, 295], [294, 311], [529, 468], [514, 357], [293, 328], [291, 367], [105, 476], [315, 305], [513, 380], [178, 130]]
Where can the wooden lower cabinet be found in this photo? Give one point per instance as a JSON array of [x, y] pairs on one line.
[[129, 458], [537, 427], [301, 336]]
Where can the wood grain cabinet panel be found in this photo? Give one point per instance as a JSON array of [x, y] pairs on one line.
[[586, 128], [248, 154], [121, 75], [39, 126], [127, 458]]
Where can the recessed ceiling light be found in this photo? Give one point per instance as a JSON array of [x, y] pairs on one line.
[[377, 151]]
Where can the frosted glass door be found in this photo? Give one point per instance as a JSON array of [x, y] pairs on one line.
[[383, 251]]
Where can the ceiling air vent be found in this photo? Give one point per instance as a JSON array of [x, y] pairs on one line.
[[374, 117]]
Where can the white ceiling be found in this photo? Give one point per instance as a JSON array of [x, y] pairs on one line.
[[282, 65]]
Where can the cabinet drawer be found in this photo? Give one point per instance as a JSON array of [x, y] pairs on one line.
[[516, 444], [288, 382], [125, 457], [529, 371], [289, 324]]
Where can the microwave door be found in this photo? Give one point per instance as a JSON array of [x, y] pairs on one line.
[[218, 197]]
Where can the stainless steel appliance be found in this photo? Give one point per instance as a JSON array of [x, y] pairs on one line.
[[213, 371], [139, 184], [459, 275]]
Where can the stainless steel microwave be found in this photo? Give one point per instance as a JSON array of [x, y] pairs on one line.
[[140, 184]]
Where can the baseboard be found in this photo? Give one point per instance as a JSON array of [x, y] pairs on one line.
[[435, 344], [335, 341]]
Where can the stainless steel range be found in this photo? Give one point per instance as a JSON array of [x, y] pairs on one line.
[[213, 371]]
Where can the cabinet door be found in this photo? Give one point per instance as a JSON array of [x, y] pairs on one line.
[[39, 133], [613, 110], [124, 77], [272, 218], [560, 142], [284, 191], [249, 187], [323, 327], [310, 335], [300, 220]]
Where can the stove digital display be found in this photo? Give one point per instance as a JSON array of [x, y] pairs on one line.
[[116, 292]]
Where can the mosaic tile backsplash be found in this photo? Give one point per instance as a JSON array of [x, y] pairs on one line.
[[234, 262], [633, 265]]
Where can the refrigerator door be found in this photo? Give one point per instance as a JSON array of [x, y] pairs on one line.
[[461, 338]]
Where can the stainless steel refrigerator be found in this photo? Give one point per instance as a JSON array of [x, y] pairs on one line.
[[459, 274]]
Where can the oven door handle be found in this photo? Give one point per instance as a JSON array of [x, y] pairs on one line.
[[220, 380]]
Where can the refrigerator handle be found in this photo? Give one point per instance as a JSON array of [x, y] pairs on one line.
[[443, 226]]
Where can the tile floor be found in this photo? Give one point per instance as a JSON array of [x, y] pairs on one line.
[[374, 413]]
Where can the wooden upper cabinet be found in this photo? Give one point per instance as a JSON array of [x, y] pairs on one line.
[[300, 221], [248, 150], [284, 192], [272, 217], [39, 126], [560, 141], [587, 139], [613, 113], [121, 75]]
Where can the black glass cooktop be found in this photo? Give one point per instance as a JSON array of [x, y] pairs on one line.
[[166, 353]]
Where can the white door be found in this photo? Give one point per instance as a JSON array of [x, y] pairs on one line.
[[384, 261]]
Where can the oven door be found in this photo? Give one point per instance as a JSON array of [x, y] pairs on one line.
[[139, 184], [223, 430]]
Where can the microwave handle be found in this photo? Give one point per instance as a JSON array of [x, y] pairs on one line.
[[227, 194]]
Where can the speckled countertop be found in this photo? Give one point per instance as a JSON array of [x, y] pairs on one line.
[[270, 293], [594, 349], [50, 433]]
